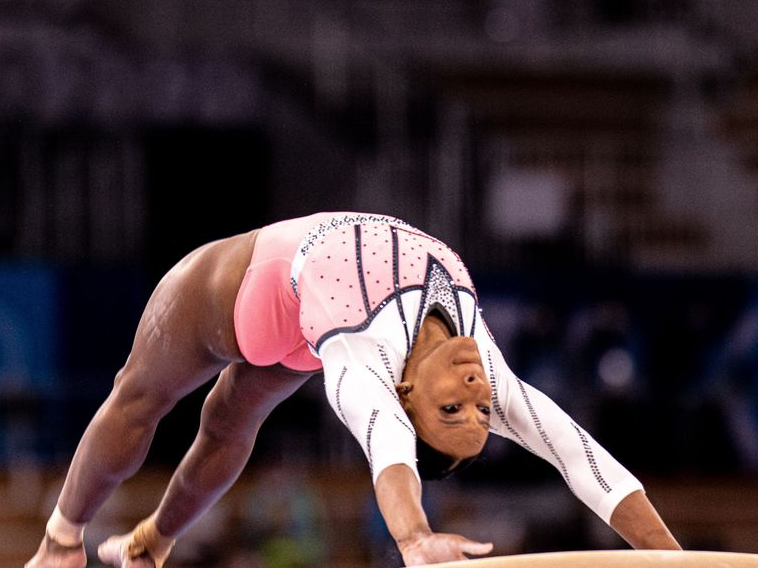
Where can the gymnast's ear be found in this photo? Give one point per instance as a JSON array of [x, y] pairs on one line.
[[403, 388]]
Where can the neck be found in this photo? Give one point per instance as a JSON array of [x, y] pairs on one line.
[[433, 324], [433, 331]]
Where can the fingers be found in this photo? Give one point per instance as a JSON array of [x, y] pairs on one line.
[[440, 547], [474, 547]]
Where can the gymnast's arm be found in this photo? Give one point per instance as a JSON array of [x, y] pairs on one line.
[[398, 493], [522, 413], [638, 523], [361, 391]]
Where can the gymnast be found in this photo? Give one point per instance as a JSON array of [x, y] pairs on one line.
[[391, 316]]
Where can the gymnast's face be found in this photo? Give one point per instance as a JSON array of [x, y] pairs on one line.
[[447, 397]]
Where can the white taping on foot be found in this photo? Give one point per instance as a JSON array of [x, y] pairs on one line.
[[63, 531]]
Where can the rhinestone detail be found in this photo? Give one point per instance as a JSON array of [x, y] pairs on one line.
[[545, 438], [499, 409], [317, 233], [591, 459]]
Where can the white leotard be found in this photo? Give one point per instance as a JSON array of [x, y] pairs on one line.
[[365, 283]]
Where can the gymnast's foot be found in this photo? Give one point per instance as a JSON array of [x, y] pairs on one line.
[[115, 552], [50, 554]]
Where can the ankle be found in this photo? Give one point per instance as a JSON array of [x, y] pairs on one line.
[[146, 538], [64, 532], [56, 547]]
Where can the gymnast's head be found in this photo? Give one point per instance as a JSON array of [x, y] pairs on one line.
[[446, 396]]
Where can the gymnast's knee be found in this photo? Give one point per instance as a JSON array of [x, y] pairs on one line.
[[139, 401], [229, 414], [222, 424]]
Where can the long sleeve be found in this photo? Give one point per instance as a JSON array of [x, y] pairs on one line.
[[523, 414], [359, 378]]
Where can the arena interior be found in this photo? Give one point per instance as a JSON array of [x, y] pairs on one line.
[[595, 162]]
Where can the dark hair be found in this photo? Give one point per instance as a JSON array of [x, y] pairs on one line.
[[434, 464]]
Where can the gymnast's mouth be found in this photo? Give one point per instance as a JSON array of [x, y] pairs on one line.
[[476, 361]]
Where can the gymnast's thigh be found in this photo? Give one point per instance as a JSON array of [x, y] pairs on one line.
[[174, 349], [244, 396]]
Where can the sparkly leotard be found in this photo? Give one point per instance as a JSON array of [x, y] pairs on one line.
[[348, 292]]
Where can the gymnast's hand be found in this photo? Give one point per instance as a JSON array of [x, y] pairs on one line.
[[430, 548], [53, 555], [398, 494]]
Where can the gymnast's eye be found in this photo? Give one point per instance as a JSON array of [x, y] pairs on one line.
[[484, 410], [450, 408]]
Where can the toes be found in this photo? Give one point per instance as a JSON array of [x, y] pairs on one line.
[[110, 552], [113, 553]]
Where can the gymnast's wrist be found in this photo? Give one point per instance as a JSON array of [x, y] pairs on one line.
[[658, 539], [413, 537]]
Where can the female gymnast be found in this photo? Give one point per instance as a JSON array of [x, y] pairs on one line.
[[391, 316]]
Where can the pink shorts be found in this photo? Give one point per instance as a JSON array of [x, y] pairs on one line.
[[266, 312]]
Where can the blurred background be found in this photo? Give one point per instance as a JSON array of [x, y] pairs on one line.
[[595, 162]]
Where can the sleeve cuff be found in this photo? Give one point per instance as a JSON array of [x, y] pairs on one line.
[[379, 467], [621, 490]]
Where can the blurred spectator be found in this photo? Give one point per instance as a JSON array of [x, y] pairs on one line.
[[731, 386], [283, 520], [537, 355], [241, 558], [603, 350], [606, 376]]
